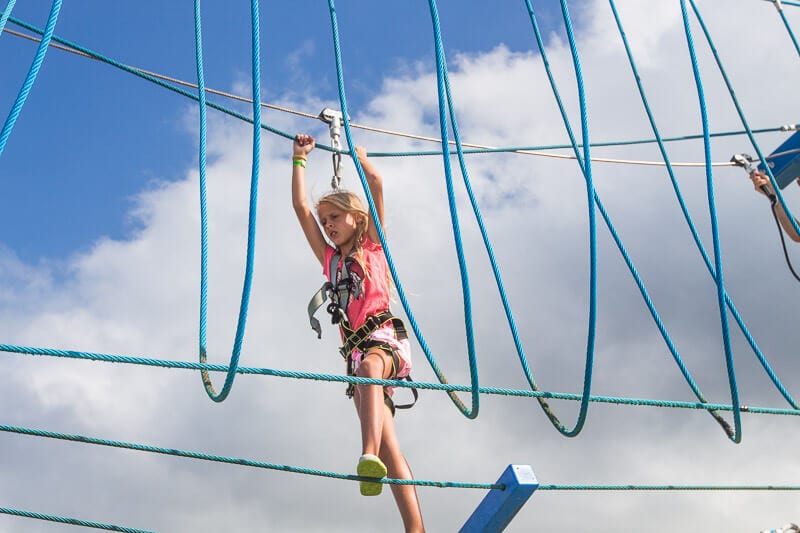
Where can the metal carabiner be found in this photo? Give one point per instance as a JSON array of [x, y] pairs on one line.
[[334, 121]]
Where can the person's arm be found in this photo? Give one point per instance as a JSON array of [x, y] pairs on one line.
[[783, 218], [761, 182], [303, 144], [375, 182]]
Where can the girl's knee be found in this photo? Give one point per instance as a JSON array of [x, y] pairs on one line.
[[373, 365]]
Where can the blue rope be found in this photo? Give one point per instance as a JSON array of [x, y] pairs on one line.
[[684, 209], [785, 3], [586, 168], [33, 72], [628, 261], [201, 99], [743, 119], [788, 27], [444, 97], [373, 211], [750, 135], [248, 276], [720, 283], [6, 13]]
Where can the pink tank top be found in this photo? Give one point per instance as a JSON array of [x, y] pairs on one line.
[[371, 267]]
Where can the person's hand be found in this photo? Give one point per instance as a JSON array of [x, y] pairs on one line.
[[303, 144], [761, 182], [361, 152]]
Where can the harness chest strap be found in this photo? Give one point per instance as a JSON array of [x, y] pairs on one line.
[[339, 293]]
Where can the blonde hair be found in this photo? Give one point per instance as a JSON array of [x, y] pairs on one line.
[[349, 203]]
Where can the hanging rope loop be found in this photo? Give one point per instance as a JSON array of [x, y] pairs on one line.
[[334, 121]]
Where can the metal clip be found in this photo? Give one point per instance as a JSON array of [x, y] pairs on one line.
[[334, 121]]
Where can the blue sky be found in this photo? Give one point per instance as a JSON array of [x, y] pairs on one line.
[[99, 248], [91, 135]]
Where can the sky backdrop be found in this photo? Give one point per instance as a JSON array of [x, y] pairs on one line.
[[99, 252]]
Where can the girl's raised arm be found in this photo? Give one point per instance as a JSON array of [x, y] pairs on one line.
[[303, 144], [375, 183]]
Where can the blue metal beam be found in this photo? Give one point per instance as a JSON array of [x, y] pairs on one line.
[[499, 507]]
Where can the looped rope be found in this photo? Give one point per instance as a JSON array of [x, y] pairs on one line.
[[251, 234]]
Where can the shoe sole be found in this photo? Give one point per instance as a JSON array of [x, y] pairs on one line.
[[371, 469]]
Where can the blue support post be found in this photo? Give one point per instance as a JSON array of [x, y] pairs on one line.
[[499, 507]]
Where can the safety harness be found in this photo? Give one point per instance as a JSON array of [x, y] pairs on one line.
[[349, 285]]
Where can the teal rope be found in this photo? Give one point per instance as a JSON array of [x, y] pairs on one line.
[[238, 461], [351, 477], [720, 283], [186, 365], [251, 234], [71, 521], [33, 72], [389, 481]]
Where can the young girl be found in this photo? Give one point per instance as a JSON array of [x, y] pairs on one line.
[[376, 345]]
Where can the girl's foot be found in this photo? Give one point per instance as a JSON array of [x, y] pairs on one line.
[[371, 466]]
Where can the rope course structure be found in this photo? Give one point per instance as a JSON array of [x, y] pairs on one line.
[[580, 146]]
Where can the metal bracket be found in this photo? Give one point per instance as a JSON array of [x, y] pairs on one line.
[[744, 161]]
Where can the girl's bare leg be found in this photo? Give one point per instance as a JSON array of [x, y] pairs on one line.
[[404, 495], [369, 399], [378, 437]]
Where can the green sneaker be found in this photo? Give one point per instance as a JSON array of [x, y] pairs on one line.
[[370, 466]]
